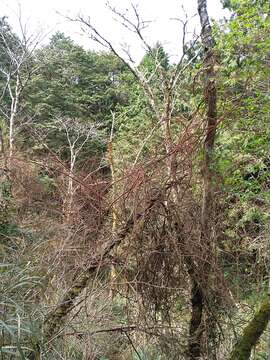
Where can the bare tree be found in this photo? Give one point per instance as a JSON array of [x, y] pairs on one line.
[[17, 69], [168, 80], [77, 135], [162, 109]]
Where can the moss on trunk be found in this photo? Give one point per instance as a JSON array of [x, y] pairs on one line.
[[252, 332]]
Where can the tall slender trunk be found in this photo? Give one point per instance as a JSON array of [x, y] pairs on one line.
[[69, 200], [13, 112], [11, 133], [210, 99], [110, 156]]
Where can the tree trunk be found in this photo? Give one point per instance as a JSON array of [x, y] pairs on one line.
[[195, 328], [13, 113], [252, 332], [69, 199], [55, 320], [198, 289]]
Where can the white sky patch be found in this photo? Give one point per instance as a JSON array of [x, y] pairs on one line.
[[48, 16]]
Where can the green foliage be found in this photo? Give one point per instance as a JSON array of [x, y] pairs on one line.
[[8, 227], [136, 128], [72, 82], [85, 88], [18, 313], [242, 156], [48, 183]]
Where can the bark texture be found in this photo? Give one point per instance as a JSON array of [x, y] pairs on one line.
[[210, 99], [252, 332], [195, 329]]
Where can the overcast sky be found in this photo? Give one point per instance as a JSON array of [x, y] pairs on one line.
[[48, 16]]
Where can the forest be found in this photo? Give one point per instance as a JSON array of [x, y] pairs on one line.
[[135, 196]]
